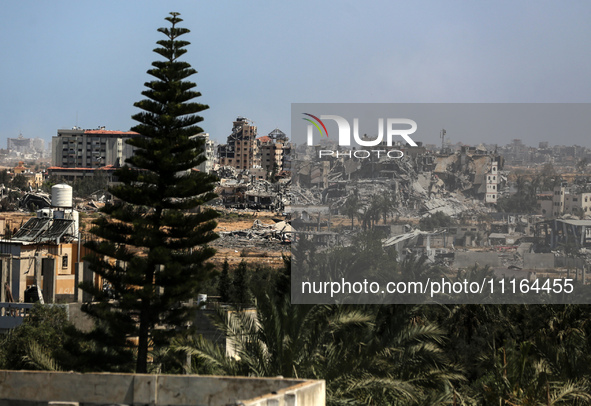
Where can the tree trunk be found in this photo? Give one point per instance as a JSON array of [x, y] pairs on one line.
[[144, 330]]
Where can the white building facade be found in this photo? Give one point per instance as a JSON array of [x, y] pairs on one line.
[[492, 184]]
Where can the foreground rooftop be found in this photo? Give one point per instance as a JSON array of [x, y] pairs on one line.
[[30, 388]]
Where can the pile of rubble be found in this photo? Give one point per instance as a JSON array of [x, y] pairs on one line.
[[262, 237], [416, 186], [243, 190]]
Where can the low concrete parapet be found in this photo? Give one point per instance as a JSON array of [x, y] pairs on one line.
[[34, 388]]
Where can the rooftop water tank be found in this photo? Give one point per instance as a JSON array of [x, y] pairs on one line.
[[61, 196]]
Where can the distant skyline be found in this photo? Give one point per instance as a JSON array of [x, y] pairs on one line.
[[69, 63]]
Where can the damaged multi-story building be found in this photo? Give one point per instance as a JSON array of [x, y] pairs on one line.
[[275, 150], [241, 151], [473, 171]]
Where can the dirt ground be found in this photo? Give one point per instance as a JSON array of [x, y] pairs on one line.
[[229, 221], [234, 221]]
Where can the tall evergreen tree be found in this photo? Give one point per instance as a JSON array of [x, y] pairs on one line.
[[225, 283], [240, 285], [152, 248]]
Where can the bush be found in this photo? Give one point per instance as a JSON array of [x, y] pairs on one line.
[[37, 343]]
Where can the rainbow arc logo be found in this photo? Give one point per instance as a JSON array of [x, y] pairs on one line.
[[325, 132]]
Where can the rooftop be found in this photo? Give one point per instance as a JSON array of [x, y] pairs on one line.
[[102, 168], [42, 230], [109, 132]]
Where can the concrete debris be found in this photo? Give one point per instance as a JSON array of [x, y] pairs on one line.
[[417, 186], [247, 190], [38, 200], [260, 237]]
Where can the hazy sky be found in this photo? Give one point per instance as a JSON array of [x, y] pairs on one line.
[[67, 63]]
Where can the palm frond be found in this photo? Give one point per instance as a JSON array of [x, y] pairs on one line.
[[38, 358]]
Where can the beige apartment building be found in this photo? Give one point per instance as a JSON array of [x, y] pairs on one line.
[[273, 149], [241, 151], [566, 202]]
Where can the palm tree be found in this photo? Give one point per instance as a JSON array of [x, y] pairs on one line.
[[351, 207], [370, 355], [387, 204], [520, 376], [564, 339]]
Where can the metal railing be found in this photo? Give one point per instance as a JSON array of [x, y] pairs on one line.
[[13, 314]]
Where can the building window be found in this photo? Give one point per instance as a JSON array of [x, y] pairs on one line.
[[65, 261]]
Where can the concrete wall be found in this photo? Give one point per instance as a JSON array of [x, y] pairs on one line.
[[32, 388], [13, 314], [467, 259], [65, 285], [301, 394], [538, 261], [78, 318]]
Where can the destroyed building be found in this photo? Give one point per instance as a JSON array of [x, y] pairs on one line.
[[420, 183], [241, 150], [565, 232], [472, 171], [465, 184], [248, 190], [274, 150]]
